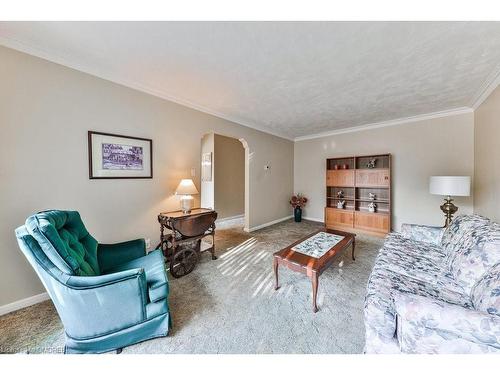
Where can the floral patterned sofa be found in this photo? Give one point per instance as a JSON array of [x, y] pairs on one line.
[[436, 290]]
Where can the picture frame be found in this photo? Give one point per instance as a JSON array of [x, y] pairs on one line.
[[206, 167], [115, 156]]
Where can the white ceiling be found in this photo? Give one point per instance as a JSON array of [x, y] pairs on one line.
[[288, 78]]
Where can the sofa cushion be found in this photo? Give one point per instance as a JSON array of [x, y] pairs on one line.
[[65, 241], [417, 260], [458, 224], [156, 277], [440, 288], [423, 233], [414, 266], [470, 264], [486, 293], [463, 232], [425, 272], [398, 243]]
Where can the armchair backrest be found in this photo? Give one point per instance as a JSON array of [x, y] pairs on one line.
[[65, 241], [53, 279]]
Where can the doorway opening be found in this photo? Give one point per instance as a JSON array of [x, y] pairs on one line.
[[224, 179]]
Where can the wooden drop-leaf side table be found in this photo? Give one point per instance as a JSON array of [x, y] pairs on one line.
[[181, 235]]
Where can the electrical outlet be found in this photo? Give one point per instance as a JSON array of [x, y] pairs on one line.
[[148, 243]]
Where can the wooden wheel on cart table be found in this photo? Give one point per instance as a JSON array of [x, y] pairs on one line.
[[184, 261]]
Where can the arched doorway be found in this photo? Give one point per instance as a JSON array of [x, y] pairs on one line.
[[225, 178]]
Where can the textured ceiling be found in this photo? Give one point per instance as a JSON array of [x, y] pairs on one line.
[[288, 78]]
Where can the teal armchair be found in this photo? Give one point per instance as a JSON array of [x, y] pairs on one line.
[[107, 296]]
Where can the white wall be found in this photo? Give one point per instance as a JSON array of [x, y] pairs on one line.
[[441, 146], [487, 157], [45, 112]]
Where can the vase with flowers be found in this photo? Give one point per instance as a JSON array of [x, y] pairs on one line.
[[298, 202]]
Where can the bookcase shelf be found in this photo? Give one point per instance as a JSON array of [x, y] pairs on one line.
[[355, 178]]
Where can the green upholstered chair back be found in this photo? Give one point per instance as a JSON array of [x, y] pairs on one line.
[[65, 241], [51, 276]]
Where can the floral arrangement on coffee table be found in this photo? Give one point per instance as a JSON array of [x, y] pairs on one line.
[[298, 201]]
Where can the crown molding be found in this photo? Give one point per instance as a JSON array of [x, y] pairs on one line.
[[17, 45], [487, 88], [9, 42], [383, 124]]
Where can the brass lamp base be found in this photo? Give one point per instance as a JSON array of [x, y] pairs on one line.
[[449, 209]]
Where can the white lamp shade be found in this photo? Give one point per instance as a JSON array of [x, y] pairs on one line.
[[457, 186], [186, 187]]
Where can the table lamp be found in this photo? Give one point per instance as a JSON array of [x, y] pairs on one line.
[[458, 186], [186, 189]]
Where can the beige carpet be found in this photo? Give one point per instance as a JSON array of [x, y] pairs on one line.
[[230, 306]]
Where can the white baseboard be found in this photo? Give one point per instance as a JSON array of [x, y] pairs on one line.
[[22, 303], [268, 224], [313, 219], [223, 220]]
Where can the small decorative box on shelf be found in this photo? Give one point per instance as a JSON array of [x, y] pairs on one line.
[[358, 193]]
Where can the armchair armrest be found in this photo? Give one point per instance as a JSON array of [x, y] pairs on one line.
[[426, 325], [424, 233], [98, 305], [92, 282], [111, 255]]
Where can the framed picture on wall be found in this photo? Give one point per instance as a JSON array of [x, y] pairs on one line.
[[119, 156], [206, 166]]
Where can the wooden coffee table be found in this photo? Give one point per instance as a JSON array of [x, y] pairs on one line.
[[310, 265]]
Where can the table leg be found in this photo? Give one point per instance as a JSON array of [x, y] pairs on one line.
[[275, 266], [213, 247], [315, 281], [353, 246]]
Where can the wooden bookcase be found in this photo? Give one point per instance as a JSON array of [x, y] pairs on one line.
[[353, 176]]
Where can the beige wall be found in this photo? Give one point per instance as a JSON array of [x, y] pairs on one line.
[[45, 113], [487, 157], [229, 176], [440, 146]]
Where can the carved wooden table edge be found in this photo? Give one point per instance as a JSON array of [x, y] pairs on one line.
[[310, 266]]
